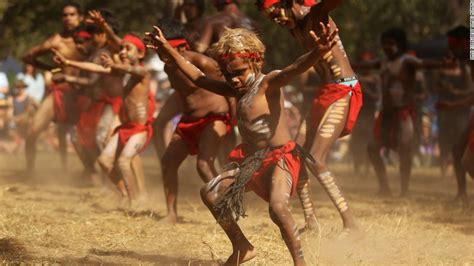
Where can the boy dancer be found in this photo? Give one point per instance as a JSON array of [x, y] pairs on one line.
[[268, 161], [204, 123]]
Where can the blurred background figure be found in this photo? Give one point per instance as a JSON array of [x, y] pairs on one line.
[[21, 112], [4, 104], [363, 130], [34, 82]]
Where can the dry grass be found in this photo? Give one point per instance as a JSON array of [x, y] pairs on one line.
[[55, 220]]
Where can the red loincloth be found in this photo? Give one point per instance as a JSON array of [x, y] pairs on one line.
[[86, 128], [190, 129], [128, 128], [260, 181], [65, 110], [387, 125], [327, 95]]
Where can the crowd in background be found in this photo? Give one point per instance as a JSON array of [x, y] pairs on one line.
[[20, 94]]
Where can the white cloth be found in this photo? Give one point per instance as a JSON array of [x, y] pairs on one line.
[[3, 85], [34, 85]]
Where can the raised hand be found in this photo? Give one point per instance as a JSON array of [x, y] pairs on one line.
[[107, 61], [155, 39], [95, 17], [326, 40]]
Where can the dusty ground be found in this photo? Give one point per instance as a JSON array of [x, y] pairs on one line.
[[55, 220]]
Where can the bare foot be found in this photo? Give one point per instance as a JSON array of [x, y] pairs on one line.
[[311, 224], [241, 255], [169, 219]]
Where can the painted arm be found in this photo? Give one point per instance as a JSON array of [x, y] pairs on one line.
[[84, 66], [322, 45], [161, 46]]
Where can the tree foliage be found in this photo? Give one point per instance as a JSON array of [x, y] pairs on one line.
[[25, 23]]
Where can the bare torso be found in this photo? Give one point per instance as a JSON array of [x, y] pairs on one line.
[[398, 83], [196, 102], [261, 117], [136, 99], [67, 47], [110, 85]]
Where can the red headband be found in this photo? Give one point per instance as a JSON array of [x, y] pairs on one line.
[[269, 3], [135, 41], [454, 41], [178, 42], [246, 55], [83, 34]]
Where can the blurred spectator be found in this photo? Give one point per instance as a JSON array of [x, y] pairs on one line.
[[363, 130], [34, 82], [4, 104], [22, 109]]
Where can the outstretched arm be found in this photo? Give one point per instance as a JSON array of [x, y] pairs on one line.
[[31, 57], [161, 45], [120, 68], [429, 63], [95, 17], [322, 45], [85, 66]]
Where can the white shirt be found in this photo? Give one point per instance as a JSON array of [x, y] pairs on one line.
[[34, 85], [3, 85]]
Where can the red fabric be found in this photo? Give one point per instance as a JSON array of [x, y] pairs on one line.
[[259, 182], [86, 128], [128, 128], [135, 41], [268, 3], [60, 112], [471, 134], [178, 42], [328, 94], [83, 34], [393, 126], [190, 129]]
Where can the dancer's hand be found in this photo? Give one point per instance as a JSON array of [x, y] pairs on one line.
[[156, 39], [107, 61], [95, 17], [59, 58], [326, 39]]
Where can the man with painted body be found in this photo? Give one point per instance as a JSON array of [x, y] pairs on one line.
[[335, 105]]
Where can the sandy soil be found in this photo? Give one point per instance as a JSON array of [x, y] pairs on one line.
[[54, 219]]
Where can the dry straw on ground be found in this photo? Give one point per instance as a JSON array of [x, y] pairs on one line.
[[58, 221]]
